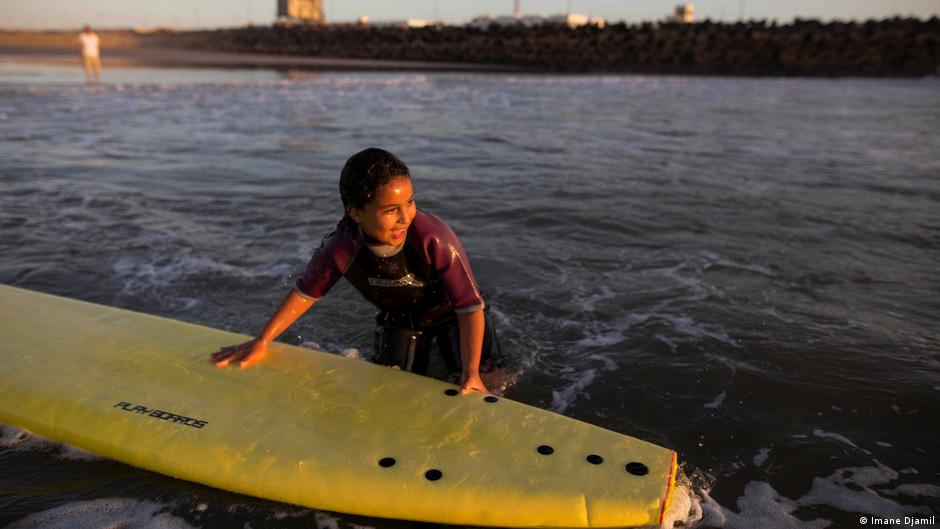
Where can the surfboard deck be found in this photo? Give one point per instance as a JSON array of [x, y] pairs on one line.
[[311, 428]]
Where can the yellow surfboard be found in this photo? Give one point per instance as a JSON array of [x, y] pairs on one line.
[[311, 428]]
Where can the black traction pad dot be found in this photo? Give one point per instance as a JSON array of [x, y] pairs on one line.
[[637, 469]]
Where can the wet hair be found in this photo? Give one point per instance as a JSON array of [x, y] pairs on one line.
[[362, 176]]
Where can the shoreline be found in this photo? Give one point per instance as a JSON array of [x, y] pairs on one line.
[[129, 57]]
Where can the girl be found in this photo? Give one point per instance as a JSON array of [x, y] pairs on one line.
[[407, 262]]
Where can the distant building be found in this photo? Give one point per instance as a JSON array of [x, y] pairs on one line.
[[485, 21], [572, 20], [300, 11], [576, 20], [407, 23], [418, 23], [684, 14]]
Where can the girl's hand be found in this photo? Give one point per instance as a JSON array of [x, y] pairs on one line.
[[472, 382], [244, 354]]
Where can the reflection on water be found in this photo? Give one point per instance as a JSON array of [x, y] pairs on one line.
[[16, 71], [741, 269]]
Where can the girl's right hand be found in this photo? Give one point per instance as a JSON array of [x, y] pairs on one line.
[[244, 354]]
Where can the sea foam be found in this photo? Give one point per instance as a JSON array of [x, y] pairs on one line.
[[24, 441], [103, 513]]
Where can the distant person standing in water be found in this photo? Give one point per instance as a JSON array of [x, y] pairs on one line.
[[89, 49]]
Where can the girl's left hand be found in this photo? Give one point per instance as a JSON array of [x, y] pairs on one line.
[[471, 383]]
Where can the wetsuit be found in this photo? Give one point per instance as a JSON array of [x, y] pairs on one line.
[[419, 288]]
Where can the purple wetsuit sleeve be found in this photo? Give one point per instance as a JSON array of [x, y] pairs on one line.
[[449, 261], [326, 266]]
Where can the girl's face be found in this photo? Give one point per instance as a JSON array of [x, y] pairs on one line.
[[387, 217]]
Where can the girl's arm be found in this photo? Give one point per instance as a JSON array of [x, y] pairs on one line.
[[471, 327], [255, 350]]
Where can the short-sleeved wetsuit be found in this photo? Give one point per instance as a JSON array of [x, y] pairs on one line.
[[418, 287]]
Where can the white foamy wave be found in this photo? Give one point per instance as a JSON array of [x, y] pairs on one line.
[[608, 334], [915, 490], [761, 456], [682, 512], [760, 506], [352, 353], [688, 327], [848, 490], [141, 277], [734, 365], [684, 329], [601, 339], [685, 509], [609, 364], [103, 513], [718, 401], [563, 398], [714, 260], [673, 344], [772, 312], [25, 441], [697, 288], [834, 436], [328, 521], [322, 520], [587, 303]]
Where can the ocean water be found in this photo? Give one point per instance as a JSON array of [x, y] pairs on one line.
[[744, 270]]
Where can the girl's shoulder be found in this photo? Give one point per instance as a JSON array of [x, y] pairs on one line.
[[427, 225], [433, 238], [342, 243]]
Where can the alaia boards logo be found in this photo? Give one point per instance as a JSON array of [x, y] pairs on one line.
[[161, 415]]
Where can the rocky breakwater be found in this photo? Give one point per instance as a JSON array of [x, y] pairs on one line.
[[898, 47]]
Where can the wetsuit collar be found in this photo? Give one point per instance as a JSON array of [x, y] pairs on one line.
[[377, 248]]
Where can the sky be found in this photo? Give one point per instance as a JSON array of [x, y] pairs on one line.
[[186, 14]]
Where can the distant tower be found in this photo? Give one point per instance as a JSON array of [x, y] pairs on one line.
[[684, 14], [309, 11], [515, 10]]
